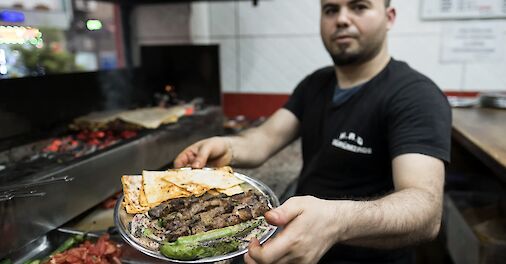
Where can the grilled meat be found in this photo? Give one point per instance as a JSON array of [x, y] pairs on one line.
[[193, 215]]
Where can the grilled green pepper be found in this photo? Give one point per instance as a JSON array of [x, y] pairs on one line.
[[70, 242], [199, 250], [208, 244]]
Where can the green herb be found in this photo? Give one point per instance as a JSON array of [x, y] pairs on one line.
[[161, 222], [147, 232]]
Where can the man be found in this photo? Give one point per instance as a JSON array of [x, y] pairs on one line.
[[375, 136]]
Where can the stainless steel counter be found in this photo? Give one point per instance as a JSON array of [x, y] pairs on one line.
[[95, 179]]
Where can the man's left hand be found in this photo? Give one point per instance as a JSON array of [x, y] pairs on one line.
[[308, 233]]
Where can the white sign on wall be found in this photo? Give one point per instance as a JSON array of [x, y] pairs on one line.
[[474, 41], [462, 9]]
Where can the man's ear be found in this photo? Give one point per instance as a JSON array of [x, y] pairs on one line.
[[391, 14]]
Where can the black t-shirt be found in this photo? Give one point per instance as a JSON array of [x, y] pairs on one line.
[[348, 148]]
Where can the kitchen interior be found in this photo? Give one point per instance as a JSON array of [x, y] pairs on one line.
[[93, 90]]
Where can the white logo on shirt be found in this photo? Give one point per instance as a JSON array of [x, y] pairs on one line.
[[351, 142]]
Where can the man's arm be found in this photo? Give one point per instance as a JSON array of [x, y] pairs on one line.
[[411, 214], [256, 145], [248, 149]]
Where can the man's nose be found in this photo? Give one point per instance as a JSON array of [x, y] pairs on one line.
[[343, 18]]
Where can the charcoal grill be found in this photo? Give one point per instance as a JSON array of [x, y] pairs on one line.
[[43, 186]]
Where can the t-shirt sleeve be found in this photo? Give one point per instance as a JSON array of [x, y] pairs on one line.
[[419, 121], [295, 103]]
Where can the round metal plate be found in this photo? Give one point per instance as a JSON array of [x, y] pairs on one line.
[[122, 218]]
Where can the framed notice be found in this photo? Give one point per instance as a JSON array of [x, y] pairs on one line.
[[462, 9], [473, 41]]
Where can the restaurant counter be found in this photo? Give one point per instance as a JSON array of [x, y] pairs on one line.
[[475, 201]]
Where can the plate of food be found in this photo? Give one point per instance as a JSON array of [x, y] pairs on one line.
[[193, 215]]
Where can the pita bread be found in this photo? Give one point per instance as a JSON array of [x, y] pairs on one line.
[[98, 118], [195, 189], [157, 190], [213, 179], [231, 191], [153, 117], [132, 189]]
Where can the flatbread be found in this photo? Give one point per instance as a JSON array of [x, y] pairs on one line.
[[153, 117], [99, 118], [157, 190], [231, 191], [221, 178], [195, 189], [132, 189], [142, 193]]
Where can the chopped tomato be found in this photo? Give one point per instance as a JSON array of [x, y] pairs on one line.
[[101, 252]]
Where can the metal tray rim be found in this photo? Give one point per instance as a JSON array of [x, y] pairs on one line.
[[258, 185]]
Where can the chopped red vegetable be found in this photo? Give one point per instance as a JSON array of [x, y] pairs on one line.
[[103, 251]]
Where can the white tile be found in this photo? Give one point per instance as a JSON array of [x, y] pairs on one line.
[[199, 20], [222, 19], [409, 21], [228, 64], [277, 65], [279, 17], [422, 53], [485, 77], [200, 40]]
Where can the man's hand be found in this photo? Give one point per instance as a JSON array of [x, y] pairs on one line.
[[247, 149], [214, 152], [306, 236]]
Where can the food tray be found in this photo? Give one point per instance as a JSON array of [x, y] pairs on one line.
[[122, 218]]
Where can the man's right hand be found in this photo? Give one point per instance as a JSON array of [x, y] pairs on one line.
[[248, 149], [213, 152]]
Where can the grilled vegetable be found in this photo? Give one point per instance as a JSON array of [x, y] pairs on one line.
[[6, 261], [70, 242], [212, 243], [199, 250]]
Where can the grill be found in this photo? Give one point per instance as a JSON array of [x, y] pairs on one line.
[[62, 191], [52, 172]]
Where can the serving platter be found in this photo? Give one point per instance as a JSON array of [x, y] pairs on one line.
[[122, 220]]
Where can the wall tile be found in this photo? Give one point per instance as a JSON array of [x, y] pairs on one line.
[[228, 64], [409, 21], [199, 20], [422, 53], [222, 19], [485, 77], [280, 17], [277, 65]]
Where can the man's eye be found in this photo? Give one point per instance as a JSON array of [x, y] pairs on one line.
[[359, 7], [330, 11]]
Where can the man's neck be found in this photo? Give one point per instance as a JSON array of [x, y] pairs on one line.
[[350, 76]]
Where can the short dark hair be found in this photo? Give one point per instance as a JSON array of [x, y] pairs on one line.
[[387, 3]]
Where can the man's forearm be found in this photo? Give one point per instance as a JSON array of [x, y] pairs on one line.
[[247, 149], [253, 146], [399, 219]]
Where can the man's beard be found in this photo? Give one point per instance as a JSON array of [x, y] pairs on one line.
[[363, 54]]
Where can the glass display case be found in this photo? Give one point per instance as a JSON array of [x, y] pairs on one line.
[[42, 37]]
